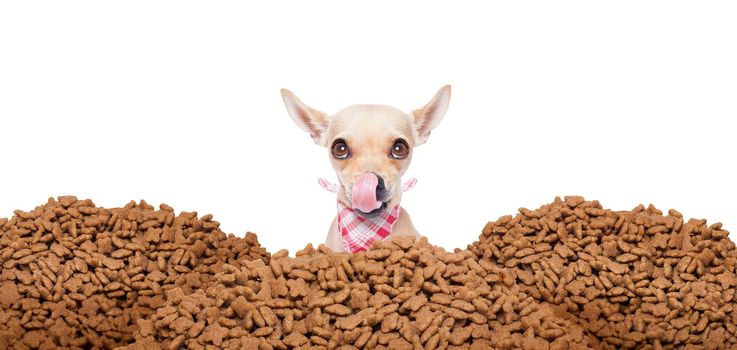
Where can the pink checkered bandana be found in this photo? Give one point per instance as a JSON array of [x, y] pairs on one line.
[[358, 232]]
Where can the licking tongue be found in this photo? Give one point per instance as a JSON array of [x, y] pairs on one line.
[[364, 193]]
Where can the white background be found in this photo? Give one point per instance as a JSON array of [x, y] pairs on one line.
[[178, 102]]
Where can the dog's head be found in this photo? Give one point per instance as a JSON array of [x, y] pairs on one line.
[[370, 146]]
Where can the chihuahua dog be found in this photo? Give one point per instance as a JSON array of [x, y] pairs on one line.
[[370, 148]]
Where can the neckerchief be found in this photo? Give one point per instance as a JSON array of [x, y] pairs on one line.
[[358, 232]]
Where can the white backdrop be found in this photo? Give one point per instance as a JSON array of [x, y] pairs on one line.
[[178, 102]]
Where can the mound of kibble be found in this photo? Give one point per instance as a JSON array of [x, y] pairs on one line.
[[401, 294], [76, 276], [632, 279], [569, 275]]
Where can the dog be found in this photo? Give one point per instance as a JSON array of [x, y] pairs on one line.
[[370, 148]]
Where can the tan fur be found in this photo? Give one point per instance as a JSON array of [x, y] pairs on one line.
[[370, 131]]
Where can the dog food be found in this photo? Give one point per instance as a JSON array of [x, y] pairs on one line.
[[632, 279], [77, 276], [569, 275]]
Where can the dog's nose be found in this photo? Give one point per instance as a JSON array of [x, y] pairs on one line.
[[380, 185], [380, 188]]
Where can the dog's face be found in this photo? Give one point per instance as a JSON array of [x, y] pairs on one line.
[[370, 146]]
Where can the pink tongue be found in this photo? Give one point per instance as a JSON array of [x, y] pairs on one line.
[[364, 193]]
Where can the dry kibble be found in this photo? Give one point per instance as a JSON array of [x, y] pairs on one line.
[[620, 280], [338, 309], [94, 281], [568, 275]]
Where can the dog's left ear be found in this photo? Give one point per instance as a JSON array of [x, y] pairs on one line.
[[429, 116], [308, 119]]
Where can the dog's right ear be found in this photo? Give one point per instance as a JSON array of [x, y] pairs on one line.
[[310, 120]]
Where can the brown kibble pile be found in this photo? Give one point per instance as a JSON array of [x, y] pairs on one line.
[[569, 275], [77, 276], [400, 295], [632, 279]]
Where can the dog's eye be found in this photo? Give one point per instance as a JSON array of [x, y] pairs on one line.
[[400, 149], [340, 149]]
